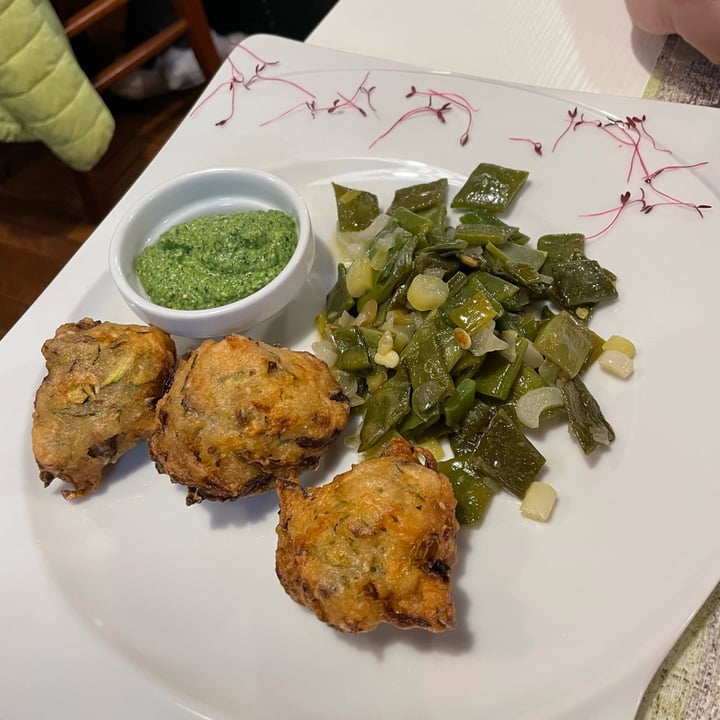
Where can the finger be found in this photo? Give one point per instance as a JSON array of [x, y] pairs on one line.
[[651, 16], [698, 23]]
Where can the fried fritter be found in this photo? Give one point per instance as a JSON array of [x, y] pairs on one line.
[[98, 398], [241, 413], [375, 544]]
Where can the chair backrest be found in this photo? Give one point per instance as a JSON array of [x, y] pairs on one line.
[[191, 22]]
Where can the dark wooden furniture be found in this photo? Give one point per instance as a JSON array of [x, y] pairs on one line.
[[191, 23]]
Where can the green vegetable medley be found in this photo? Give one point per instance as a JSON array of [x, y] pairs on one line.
[[463, 332]]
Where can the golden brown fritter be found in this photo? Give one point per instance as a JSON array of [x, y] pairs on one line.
[[98, 399], [376, 544], [241, 413]]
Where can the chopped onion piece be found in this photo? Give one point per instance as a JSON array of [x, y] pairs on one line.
[[403, 335], [618, 342], [433, 446], [510, 337], [345, 320], [539, 501], [616, 363], [485, 340], [427, 292], [359, 278], [549, 372], [399, 317], [368, 313], [325, 351], [379, 258], [531, 405], [349, 385], [356, 242], [533, 357]]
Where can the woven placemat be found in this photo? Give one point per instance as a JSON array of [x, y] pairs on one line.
[[687, 685], [683, 75]]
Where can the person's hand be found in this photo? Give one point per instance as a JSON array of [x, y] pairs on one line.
[[696, 21]]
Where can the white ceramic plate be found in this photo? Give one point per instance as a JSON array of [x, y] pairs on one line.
[[130, 604]]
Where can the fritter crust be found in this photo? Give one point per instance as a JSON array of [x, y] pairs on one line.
[[376, 544], [241, 413], [98, 398]]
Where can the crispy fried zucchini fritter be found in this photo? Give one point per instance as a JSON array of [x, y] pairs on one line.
[[376, 544], [98, 398], [241, 413]]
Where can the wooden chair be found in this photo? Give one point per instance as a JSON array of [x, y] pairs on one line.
[[191, 23]]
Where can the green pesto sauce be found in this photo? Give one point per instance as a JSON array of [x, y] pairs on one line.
[[216, 259]]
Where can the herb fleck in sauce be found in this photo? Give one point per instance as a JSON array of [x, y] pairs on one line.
[[216, 259]]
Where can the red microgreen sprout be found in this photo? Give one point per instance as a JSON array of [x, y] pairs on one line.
[[258, 76], [572, 114], [537, 147], [631, 132], [657, 172], [256, 57], [625, 202], [670, 199], [645, 207], [341, 102], [360, 91], [449, 100], [238, 79], [641, 123]]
